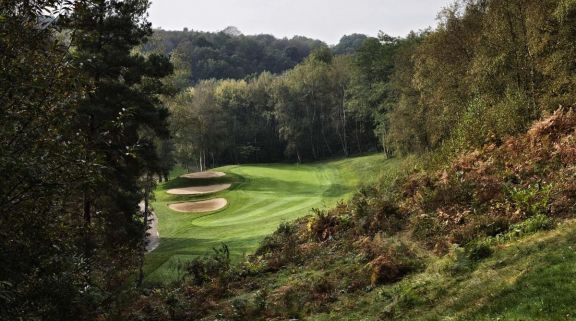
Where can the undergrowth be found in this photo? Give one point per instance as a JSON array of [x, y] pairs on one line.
[[468, 241]]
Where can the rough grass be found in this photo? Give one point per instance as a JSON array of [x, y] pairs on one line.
[[533, 278], [261, 197]]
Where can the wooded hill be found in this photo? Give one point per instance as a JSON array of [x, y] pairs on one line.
[[85, 128], [228, 54], [487, 71], [222, 55]]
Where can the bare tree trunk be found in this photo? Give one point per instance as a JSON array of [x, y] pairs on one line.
[[357, 137], [342, 128]]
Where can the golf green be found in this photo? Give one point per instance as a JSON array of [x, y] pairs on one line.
[[261, 198]]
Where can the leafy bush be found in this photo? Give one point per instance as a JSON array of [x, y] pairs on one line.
[[533, 224], [216, 266], [532, 200], [478, 251], [322, 225], [260, 301], [239, 310], [458, 261], [481, 226], [281, 247]]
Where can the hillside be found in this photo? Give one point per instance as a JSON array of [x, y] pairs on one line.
[[488, 237], [220, 55], [466, 213]]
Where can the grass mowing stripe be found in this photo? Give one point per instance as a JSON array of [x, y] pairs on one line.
[[261, 197]]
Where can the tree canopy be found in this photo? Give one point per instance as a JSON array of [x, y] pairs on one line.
[[228, 55]]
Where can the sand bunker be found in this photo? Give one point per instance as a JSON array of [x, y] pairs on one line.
[[199, 207], [198, 190], [204, 175]]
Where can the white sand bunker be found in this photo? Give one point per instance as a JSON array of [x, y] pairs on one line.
[[200, 207], [204, 175], [198, 190]]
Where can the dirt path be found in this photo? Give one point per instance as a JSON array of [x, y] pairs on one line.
[[153, 234], [198, 190]]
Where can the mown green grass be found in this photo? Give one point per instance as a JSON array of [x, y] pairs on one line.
[[261, 198]]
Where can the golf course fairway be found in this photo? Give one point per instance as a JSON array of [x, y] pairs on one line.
[[260, 198]]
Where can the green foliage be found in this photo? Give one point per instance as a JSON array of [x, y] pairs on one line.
[[303, 115], [281, 246], [79, 123], [486, 72], [478, 251], [532, 225], [204, 55], [532, 200], [349, 44], [483, 123]]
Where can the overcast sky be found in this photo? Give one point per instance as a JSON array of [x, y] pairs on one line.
[[327, 20]]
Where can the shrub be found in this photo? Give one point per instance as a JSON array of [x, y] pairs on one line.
[[385, 217], [478, 251], [290, 301], [197, 271], [252, 267], [323, 225], [458, 261], [532, 200], [531, 225], [215, 267], [281, 247], [481, 226], [239, 310], [260, 301], [393, 260], [425, 228], [534, 224], [321, 289]]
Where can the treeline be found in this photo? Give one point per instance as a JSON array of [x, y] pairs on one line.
[[227, 55], [80, 122], [305, 114], [487, 71]]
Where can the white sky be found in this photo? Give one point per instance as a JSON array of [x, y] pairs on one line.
[[327, 20]]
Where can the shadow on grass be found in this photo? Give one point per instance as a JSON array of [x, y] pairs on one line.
[[167, 263], [268, 184], [188, 182]]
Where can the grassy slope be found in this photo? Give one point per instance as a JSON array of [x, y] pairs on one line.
[[530, 279], [262, 196]]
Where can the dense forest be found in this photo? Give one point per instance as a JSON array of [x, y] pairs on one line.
[[486, 72], [227, 54], [95, 106], [302, 115]]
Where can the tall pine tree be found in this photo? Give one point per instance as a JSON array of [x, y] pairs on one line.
[[119, 120]]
